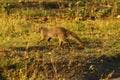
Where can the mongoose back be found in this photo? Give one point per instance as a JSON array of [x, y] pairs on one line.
[[59, 32]]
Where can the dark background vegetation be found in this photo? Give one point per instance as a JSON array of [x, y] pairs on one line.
[[85, 9]]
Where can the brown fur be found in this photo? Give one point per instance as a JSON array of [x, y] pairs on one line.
[[59, 32]]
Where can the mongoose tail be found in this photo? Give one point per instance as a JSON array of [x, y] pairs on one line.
[[77, 39]]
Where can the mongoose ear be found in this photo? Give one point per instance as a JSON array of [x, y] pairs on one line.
[[40, 28], [36, 30]]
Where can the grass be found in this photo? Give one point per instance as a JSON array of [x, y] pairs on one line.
[[21, 58]]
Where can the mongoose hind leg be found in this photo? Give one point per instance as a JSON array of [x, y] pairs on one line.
[[68, 43]]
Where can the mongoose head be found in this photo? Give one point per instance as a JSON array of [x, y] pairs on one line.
[[38, 30], [41, 28]]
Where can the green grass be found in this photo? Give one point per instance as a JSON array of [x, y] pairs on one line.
[[21, 58]]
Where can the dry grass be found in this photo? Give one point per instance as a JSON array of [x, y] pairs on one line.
[[21, 58]]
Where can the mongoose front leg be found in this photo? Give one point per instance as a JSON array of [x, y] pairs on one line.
[[49, 39], [42, 39]]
